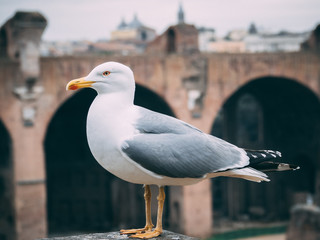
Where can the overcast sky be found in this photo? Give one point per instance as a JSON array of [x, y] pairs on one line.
[[94, 19]]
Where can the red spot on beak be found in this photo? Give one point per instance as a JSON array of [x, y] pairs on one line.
[[73, 87]]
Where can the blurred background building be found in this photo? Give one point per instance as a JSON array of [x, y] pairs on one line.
[[256, 90]]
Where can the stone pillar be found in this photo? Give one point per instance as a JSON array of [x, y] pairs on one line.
[[30, 191], [176, 208], [197, 209], [22, 35]]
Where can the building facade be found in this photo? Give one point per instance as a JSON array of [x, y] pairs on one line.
[[134, 33], [253, 41], [280, 42]]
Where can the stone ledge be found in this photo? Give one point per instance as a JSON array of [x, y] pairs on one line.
[[166, 235]]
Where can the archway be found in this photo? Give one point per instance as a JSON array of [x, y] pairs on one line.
[[82, 196], [269, 113], [171, 41], [7, 229]]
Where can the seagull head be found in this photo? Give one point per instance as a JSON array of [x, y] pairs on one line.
[[109, 77]]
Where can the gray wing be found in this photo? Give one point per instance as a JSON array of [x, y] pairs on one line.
[[154, 122], [181, 151]]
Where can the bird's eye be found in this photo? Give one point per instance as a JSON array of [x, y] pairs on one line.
[[106, 73]]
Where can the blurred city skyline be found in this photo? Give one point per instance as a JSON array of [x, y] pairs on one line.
[[94, 20]]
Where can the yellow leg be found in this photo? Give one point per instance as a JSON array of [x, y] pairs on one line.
[[158, 230], [147, 197], [149, 225]]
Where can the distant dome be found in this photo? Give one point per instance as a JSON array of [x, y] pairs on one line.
[[122, 25], [252, 29], [135, 22]]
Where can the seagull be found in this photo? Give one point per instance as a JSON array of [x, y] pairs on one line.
[[145, 147]]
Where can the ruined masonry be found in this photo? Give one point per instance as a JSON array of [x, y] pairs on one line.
[[253, 100]]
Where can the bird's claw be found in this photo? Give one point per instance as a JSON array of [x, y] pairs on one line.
[[147, 235], [136, 231], [132, 231]]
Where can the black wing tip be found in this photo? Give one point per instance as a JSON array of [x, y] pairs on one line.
[[275, 167], [294, 167], [268, 161], [262, 155], [287, 167]]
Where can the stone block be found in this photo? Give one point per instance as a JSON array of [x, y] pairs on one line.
[[304, 223], [166, 235]]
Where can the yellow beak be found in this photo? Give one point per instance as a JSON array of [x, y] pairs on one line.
[[78, 83]]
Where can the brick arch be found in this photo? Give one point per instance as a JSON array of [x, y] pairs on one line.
[[229, 72], [268, 88], [7, 218], [300, 82], [290, 122], [227, 92]]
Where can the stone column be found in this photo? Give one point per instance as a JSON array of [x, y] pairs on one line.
[[197, 204], [22, 35], [30, 187]]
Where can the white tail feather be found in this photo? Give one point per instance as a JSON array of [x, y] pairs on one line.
[[250, 174], [247, 173]]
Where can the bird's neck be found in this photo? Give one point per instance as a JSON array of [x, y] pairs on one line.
[[114, 101], [110, 115]]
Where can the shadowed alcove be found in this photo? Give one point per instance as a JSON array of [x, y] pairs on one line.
[[7, 227], [81, 195], [171, 41], [269, 113]]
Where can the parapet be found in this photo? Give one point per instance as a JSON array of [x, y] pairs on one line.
[[166, 235]]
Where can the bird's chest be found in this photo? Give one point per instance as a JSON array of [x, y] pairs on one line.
[[106, 129]]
